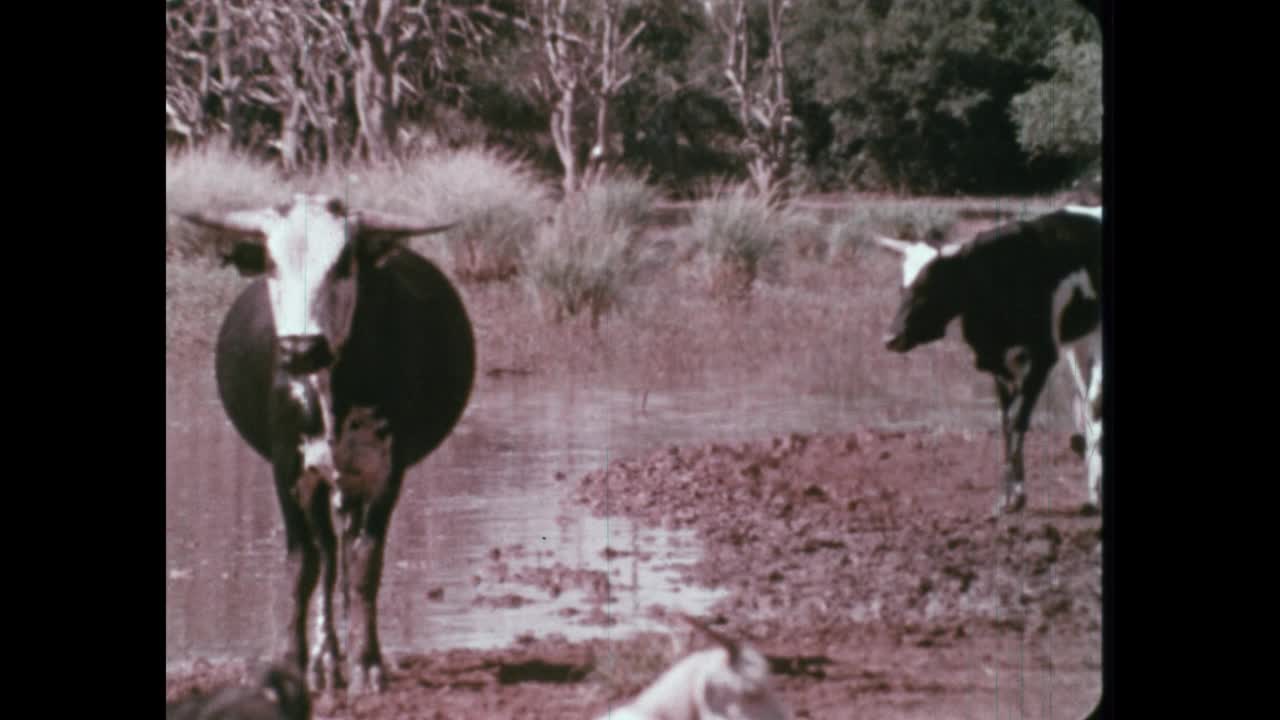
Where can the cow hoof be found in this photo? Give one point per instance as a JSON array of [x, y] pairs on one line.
[[1010, 504], [325, 672], [367, 679]]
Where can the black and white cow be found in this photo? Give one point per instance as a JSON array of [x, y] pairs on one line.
[[349, 361], [1024, 292]]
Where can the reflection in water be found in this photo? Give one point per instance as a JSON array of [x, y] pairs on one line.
[[498, 482]]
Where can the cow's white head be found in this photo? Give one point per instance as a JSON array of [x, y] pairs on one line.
[[928, 302], [311, 251]]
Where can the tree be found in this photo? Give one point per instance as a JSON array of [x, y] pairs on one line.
[[1062, 116], [758, 90], [313, 80], [586, 52], [919, 91]]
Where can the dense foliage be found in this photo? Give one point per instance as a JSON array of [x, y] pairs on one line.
[[922, 95]]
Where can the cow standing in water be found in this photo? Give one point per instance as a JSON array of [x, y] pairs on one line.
[[1024, 292], [346, 363]]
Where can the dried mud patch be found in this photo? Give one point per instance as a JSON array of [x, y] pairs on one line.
[[875, 547]]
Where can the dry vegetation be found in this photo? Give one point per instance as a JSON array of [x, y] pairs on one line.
[[807, 315]]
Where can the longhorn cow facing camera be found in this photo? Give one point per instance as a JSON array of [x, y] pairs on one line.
[[346, 362]]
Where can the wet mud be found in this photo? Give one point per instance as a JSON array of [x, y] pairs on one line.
[[866, 565]]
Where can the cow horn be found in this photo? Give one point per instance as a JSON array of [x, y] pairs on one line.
[[397, 225], [899, 246], [240, 222]]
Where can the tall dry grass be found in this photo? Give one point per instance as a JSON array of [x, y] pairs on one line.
[[814, 328], [739, 236], [586, 259]]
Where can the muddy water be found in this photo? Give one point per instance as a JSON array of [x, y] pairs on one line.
[[497, 483]]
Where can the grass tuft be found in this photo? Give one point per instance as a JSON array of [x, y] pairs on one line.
[[585, 259], [738, 235]]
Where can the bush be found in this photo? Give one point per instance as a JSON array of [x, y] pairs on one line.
[[585, 258], [1063, 115], [738, 234]]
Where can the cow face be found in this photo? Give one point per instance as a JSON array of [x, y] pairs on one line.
[[311, 251], [928, 298]]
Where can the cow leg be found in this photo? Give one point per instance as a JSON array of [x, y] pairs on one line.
[[1078, 441], [1017, 400], [1093, 436], [1024, 402], [1013, 497], [302, 559], [1073, 363], [364, 543], [325, 654]]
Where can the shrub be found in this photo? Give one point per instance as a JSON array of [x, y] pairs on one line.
[[738, 234], [584, 259]]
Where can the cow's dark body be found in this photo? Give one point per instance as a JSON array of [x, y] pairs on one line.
[[1002, 286], [410, 359], [1009, 277], [411, 355]]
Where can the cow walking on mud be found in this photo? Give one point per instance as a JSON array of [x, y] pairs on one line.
[[348, 361], [1024, 292]]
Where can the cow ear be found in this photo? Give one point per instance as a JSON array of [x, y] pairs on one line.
[[377, 247], [238, 236], [249, 258]]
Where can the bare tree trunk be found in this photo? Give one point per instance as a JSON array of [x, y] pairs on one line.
[[765, 115], [613, 77], [777, 135], [562, 135], [224, 68], [290, 145], [600, 151], [564, 78], [376, 57]]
